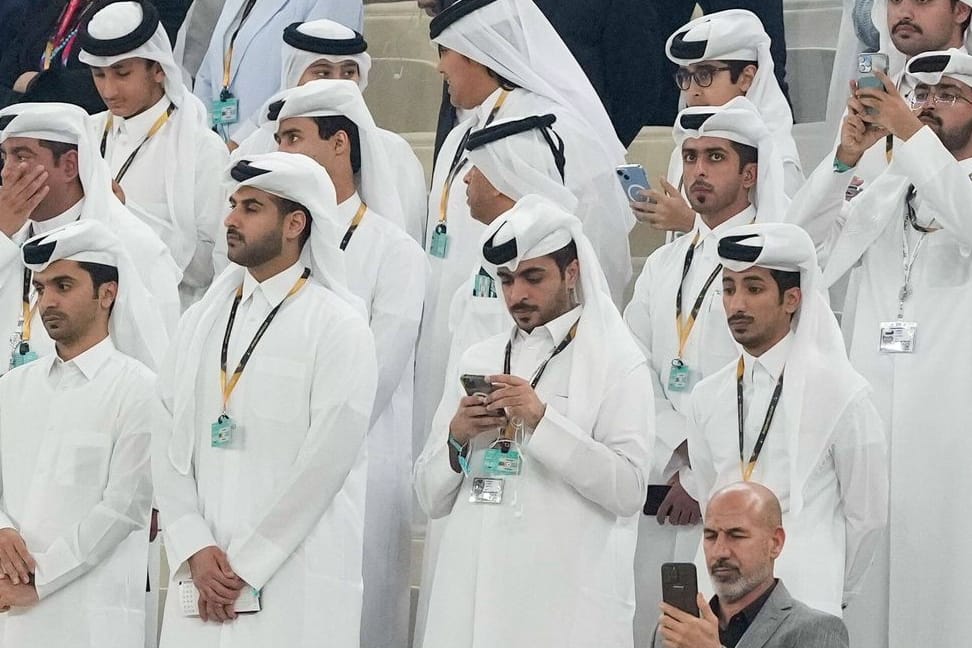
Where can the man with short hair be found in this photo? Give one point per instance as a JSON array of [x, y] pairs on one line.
[[53, 176], [328, 122], [542, 474], [743, 538], [260, 477], [732, 177], [905, 241], [75, 436], [807, 428], [154, 136]]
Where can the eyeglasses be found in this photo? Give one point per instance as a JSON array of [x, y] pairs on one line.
[[702, 76], [923, 97]]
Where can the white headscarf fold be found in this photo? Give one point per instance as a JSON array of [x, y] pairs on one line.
[[330, 41], [135, 324], [930, 67], [739, 121], [813, 406]]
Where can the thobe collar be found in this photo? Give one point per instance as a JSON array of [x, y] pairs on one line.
[[72, 214], [745, 217], [773, 359], [275, 288], [483, 109], [138, 126], [347, 210], [88, 362], [553, 331]]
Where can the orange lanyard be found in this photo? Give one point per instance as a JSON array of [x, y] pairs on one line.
[[358, 215], [684, 327], [228, 57]]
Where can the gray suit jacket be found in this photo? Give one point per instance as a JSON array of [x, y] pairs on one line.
[[786, 623]]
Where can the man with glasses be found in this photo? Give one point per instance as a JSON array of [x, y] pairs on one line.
[[906, 240], [721, 56]]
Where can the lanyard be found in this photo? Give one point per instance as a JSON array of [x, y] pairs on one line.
[[685, 327], [543, 366], [459, 161], [228, 387], [28, 310], [908, 258], [358, 215], [159, 123], [63, 38], [748, 468], [228, 57]]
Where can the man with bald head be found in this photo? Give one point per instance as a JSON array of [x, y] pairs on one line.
[[742, 538]]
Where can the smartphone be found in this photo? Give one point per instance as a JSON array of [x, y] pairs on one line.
[[633, 180], [680, 587], [867, 64], [476, 384], [656, 495]]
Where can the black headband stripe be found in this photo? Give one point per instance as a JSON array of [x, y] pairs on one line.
[[453, 13], [731, 247], [491, 134], [39, 252], [123, 44], [243, 171], [5, 121], [499, 254], [693, 121], [273, 110], [934, 63], [687, 50], [329, 46]]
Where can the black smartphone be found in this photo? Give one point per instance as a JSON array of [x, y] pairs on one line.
[[680, 586], [656, 495], [476, 384]]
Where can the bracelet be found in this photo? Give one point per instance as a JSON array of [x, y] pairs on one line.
[[455, 445], [840, 167]]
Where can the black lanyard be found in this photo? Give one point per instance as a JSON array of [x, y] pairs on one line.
[[685, 329], [159, 123], [228, 387], [912, 217], [539, 372], [747, 468]]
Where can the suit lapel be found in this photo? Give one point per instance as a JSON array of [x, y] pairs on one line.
[[774, 612]]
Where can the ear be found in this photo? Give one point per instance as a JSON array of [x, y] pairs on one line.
[[750, 175], [777, 540], [294, 223], [69, 164], [792, 299], [572, 274], [961, 12], [107, 293], [341, 143], [158, 74], [745, 80]]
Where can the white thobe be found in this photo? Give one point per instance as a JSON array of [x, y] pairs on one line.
[[288, 506], [651, 317], [925, 580], [189, 236], [842, 475], [505, 574], [255, 65], [152, 261], [388, 271], [75, 439]]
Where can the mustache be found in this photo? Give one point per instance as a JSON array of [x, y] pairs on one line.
[[746, 319], [700, 184], [523, 308], [51, 313], [905, 22], [930, 116], [232, 231], [722, 563]]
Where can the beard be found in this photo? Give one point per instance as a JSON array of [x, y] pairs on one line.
[[953, 139], [256, 252], [733, 586]]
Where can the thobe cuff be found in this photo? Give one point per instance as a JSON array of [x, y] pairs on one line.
[[52, 565], [555, 442], [922, 158], [184, 537], [441, 479], [256, 560]]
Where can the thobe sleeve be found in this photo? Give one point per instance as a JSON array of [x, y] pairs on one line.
[[793, 178], [126, 502], [5, 521], [436, 483], [819, 207], [342, 394], [698, 480], [210, 207], [938, 178], [396, 311], [608, 465], [861, 462], [413, 191]]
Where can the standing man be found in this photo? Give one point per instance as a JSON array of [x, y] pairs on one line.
[[328, 122], [807, 427], [261, 476], [75, 435], [905, 240], [732, 177], [155, 129], [558, 449], [53, 176]]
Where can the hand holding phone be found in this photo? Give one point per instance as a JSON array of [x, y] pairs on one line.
[[680, 587], [867, 64], [476, 385], [634, 181]]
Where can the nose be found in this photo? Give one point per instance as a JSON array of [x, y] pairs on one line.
[[466, 178], [718, 549], [734, 303], [519, 291], [231, 218]]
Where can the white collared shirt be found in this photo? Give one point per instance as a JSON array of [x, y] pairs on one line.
[[70, 215], [530, 350], [707, 255], [82, 368], [141, 180]]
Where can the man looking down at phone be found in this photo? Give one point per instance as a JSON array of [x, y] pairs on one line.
[[906, 240], [742, 540], [791, 413], [722, 56], [539, 477], [676, 315]]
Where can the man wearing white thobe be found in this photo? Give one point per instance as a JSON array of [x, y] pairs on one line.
[[156, 129], [75, 437], [387, 270], [570, 463], [810, 432], [905, 240], [261, 483]]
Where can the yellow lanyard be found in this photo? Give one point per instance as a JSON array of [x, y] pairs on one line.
[[228, 387], [228, 57], [460, 160], [684, 327], [28, 310], [156, 126], [358, 215], [745, 467]]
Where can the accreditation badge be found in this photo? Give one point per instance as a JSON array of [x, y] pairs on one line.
[[439, 245], [224, 432], [898, 337], [498, 462], [679, 376], [21, 355], [487, 490], [224, 111]]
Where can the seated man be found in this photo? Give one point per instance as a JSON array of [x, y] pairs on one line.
[[743, 538]]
